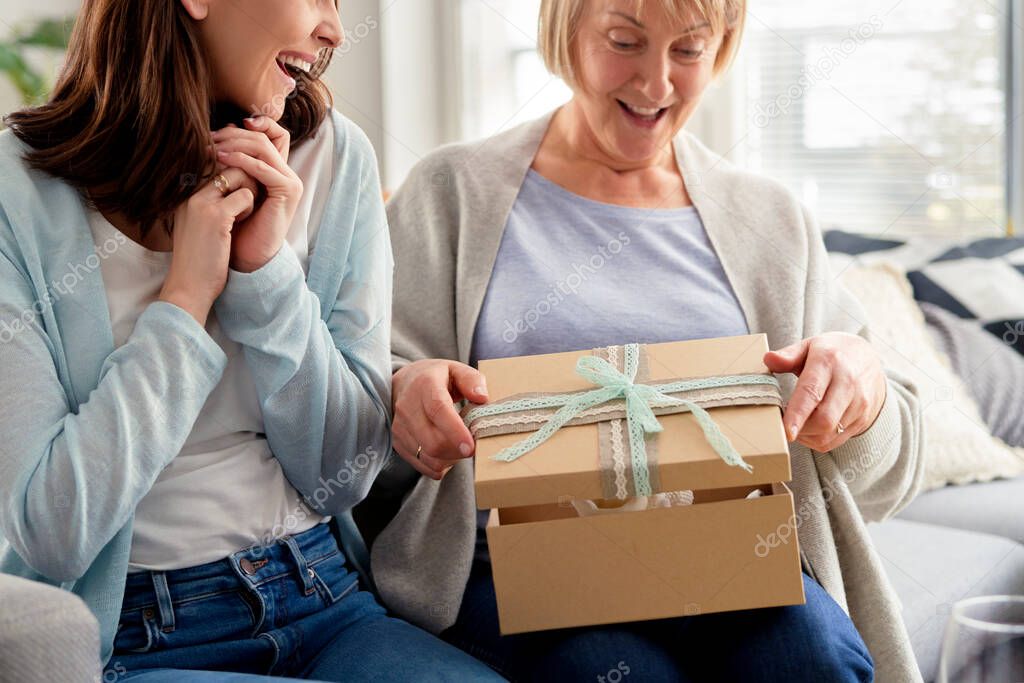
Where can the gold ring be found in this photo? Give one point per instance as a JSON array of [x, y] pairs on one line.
[[419, 452], [840, 428], [222, 184]]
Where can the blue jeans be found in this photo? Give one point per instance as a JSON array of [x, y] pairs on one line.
[[289, 610], [811, 642]]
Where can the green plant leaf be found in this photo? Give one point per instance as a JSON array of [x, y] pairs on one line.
[[29, 83], [51, 33]]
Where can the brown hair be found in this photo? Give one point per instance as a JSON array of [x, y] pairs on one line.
[[129, 118], [559, 21]]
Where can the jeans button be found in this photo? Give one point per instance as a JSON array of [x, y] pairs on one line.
[[148, 613], [247, 567]]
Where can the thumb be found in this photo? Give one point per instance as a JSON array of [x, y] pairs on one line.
[[467, 383], [788, 358]]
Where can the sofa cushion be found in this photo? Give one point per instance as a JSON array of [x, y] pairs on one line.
[[931, 567], [993, 507], [959, 447], [46, 634]]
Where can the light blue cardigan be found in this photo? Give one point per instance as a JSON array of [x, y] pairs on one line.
[[85, 429]]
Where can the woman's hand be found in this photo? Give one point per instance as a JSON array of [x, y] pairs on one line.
[[424, 395], [202, 245], [261, 151], [840, 391]]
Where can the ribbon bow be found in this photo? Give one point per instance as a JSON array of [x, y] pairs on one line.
[[640, 419]]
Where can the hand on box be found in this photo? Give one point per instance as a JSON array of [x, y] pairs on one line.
[[427, 431], [840, 391]]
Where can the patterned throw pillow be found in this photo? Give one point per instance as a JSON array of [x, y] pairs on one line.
[[993, 373], [959, 447], [981, 280]]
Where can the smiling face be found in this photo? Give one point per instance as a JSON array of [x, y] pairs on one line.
[[640, 76], [257, 47]]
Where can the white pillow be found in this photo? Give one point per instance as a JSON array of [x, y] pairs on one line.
[[958, 446]]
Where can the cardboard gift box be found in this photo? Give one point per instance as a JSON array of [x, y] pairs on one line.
[[554, 568]]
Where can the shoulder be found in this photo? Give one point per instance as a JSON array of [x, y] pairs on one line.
[[22, 185], [481, 165], [351, 145], [341, 145], [15, 171], [711, 170], [755, 200], [24, 191]]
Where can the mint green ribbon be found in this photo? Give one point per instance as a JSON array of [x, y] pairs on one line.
[[640, 419]]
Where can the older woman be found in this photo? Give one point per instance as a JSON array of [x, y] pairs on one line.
[[488, 236]]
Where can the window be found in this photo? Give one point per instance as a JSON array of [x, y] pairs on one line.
[[504, 79], [883, 116]]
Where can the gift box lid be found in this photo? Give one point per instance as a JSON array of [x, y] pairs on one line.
[[567, 465]]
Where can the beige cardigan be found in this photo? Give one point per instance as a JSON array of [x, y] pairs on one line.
[[447, 221]]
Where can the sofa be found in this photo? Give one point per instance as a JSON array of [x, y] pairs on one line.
[[951, 544], [46, 634]]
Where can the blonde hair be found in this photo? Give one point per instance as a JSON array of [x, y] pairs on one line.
[[559, 21]]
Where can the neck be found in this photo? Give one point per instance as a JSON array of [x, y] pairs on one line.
[[570, 156], [573, 136], [156, 240]]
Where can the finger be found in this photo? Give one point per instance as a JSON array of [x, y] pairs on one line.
[[240, 202], [258, 148], [435, 465], [857, 417], [422, 432], [439, 408], [279, 185], [257, 126], [790, 358], [841, 391], [237, 179], [809, 392], [278, 134], [822, 425], [468, 383], [406, 447], [211, 191]]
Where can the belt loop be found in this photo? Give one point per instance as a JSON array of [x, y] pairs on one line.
[[305, 573], [163, 601]]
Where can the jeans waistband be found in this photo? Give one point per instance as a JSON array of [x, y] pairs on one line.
[[254, 566]]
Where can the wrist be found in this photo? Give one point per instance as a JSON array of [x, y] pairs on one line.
[[240, 266], [252, 262], [881, 405], [199, 310]]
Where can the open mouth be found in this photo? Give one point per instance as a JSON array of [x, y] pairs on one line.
[[293, 67], [643, 115]]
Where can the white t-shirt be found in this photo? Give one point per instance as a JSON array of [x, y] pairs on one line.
[[225, 490]]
